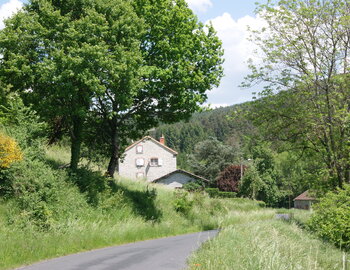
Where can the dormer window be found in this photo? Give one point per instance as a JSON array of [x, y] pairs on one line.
[[139, 149]]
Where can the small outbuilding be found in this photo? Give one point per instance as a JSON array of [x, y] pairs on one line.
[[304, 201], [178, 178]]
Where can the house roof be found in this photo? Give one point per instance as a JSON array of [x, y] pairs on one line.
[[304, 197], [153, 140], [180, 171]]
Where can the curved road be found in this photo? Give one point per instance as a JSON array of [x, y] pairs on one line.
[[160, 254]]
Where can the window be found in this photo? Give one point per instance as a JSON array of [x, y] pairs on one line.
[[139, 149], [140, 175], [155, 162], [140, 162]]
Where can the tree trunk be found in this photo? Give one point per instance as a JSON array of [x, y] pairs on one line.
[[57, 130], [76, 137], [113, 162]]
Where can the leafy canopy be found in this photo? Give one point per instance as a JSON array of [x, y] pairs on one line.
[[304, 66]]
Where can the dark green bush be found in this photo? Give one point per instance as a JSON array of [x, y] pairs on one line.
[[193, 186], [262, 204], [212, 192], [331, 219], [41, 195]]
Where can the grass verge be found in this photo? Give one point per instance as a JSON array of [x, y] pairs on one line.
[[256, 240]]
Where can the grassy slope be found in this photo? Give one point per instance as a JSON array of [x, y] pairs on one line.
[[256, 240], [128, 214], [250, 239]]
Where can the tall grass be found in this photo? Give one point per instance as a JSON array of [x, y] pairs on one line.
[[52, 213], [255, 240], [129, 211]]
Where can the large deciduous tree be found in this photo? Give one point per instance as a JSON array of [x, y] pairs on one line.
[[181, 60], [305, 52], [63, 55], [123, 65], [210, 157]]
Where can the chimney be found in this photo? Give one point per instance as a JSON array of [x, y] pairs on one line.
[[162, 140]]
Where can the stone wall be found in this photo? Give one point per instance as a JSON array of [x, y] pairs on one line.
[[150, 149]]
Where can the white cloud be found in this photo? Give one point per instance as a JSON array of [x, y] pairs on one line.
[[8, 9], [234, 35], [199, 5]]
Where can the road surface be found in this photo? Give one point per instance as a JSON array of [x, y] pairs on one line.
[[160, 254]]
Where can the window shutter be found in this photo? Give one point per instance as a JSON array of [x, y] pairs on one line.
[[160, 162]]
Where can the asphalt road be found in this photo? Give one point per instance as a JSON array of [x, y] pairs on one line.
[[160, 254]]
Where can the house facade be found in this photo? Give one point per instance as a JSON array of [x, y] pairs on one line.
[[147, 159]]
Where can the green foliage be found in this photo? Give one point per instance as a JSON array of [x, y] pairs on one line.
[[182, 203], [108, 69], [251, 183], [42, 196], [92, 184], [305, 68], [261, 180], [216, 193], [331, 217], [183, 136], [193, 186], [23, 124], [212, 192], [210, 157], [261, 204]]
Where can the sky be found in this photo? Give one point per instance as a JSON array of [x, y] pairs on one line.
[[230, 18]]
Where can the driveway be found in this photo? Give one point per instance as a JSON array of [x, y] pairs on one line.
[[160, 254]]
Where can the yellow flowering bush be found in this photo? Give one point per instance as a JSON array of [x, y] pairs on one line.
[[9, 151]]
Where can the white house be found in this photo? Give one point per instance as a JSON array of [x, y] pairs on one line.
[[153, 161], [147, 159]]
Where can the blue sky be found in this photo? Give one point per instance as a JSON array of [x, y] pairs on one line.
[[230, 18], [237, 8]]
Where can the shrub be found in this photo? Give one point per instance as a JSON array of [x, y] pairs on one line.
[[40, 195], [261, 204], [331, 219], [212, 192], [9, 151], [182, 203], [193, 186], [229, 178]]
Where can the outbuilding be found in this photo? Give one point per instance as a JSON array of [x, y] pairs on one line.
[[178, 178], [304, 201]]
